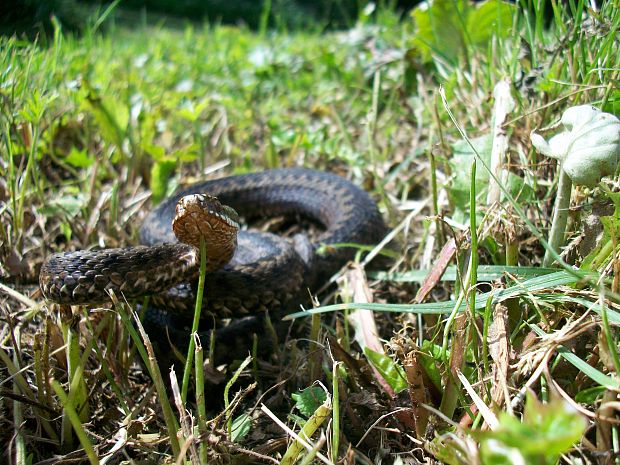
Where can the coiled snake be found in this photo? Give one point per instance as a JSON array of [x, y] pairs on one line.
[[265, 271]]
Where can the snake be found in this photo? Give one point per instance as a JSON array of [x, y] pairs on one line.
[[248, 271]]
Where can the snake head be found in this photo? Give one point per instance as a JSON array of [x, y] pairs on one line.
[[202, 215]]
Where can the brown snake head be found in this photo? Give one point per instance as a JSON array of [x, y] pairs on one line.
[[201, 215]]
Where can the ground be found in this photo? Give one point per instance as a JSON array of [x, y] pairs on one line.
[[474, 351]]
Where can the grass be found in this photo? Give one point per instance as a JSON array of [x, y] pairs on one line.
[[95, 129]]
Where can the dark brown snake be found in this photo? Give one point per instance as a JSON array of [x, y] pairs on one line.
[[266, 270]]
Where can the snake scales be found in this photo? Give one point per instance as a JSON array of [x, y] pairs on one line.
[[266, 270]]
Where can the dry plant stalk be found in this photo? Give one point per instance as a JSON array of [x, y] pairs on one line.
[[501, 352]]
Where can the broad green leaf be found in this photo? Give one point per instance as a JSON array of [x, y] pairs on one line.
[[390, 370], [187, 154], [429, 355], [439, 29], [191, 112], [590, 396], [460, 164], [546, 431], [79, 158], [518, 189], [450, 449], [111, 116], [488, 19], [65, 227], [155, 151], [496, 452], [446, 27], [67, 205], [615, 198], [308, 400], [160, 175]]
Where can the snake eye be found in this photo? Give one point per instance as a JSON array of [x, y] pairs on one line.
[[212, 204], [231, 213]]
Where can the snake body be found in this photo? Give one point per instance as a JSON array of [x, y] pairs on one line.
[[266, 271]]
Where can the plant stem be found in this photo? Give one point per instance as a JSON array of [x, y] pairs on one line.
[[197, 310], [200, 399], [335, 413], [560, 217], [512, 252], [145, 349], [18, 419], [74, 418], [473, 228]]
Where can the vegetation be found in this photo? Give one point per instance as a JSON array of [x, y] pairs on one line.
[[282, 13], [34, 18], [493, 359]]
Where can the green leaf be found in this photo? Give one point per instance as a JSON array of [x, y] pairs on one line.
[[450, 449], [155, 151], [240, 427], [590, 396], [439, 29], [429, 356], [518, 189], [308, 400], [610, 382], [497, 453], [36, 105], [524, 289], [160, 175], [191, 112], [488, 19], [294, 418], [460, 164], [67, 205], [391, 371], [188, 153], [111, 116], [66, 230], [79, 158], [547, 431], [447, 27]]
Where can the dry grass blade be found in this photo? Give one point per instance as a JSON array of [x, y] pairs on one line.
[[363, 321], [504, 104], [417, 393], [501, 352]]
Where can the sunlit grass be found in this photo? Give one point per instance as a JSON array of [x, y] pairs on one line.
[[96, 129]]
